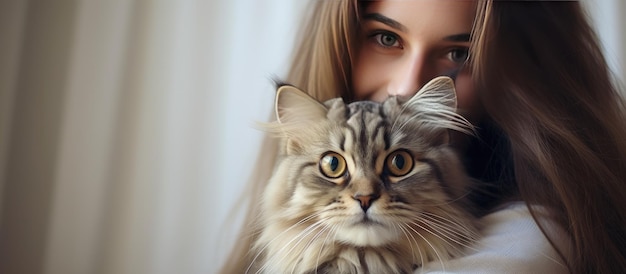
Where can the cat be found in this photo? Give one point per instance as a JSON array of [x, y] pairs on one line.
[[365, 187]]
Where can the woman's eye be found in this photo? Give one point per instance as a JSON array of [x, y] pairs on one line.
[[387, 40], [459, 55]]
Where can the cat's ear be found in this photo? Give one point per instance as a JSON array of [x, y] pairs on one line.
[[437, 103], [438, 93], [294, 106]]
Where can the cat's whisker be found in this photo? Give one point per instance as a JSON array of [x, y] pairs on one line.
[[406, 235], [275, 260], [303, 220], [300, 237], [455, 236], [331, 230], [453, 231], [412, 241], [453, 222], [427, 241], [438, 226], [308, 244], [449, 233], [315, 238]]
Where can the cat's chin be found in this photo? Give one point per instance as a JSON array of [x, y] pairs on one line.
[[367, 234]]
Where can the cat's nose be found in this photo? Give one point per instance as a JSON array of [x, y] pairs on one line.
[[365, 200]]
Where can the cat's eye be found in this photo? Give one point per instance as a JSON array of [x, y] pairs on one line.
[[332, 165], [399, 163]]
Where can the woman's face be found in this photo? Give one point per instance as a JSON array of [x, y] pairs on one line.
[[404, 44]]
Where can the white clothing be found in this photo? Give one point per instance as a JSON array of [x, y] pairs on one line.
[[511, 243]]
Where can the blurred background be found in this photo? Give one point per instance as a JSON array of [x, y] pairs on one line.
[[126, 126]]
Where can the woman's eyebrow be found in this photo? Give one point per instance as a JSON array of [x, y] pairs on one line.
[[463, 37], [385, 20]]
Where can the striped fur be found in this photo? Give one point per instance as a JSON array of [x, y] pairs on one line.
[[367, 220]]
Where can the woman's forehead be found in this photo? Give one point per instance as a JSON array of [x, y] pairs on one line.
[[423, 17]]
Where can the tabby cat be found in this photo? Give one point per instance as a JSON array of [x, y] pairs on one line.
[[364, 187]]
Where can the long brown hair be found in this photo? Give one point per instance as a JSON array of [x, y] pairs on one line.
[[546, 84], [549, 95], [323, 60]]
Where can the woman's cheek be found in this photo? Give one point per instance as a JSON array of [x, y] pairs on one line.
[[365, 79]]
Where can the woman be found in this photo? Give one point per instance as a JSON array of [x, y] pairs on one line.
[[551, 121]]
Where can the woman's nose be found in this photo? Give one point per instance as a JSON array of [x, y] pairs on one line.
[[411, 74]]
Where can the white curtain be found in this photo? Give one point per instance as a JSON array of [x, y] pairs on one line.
[[126, 127]]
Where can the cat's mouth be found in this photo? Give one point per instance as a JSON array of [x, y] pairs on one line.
[[365, 220], [367, 231]]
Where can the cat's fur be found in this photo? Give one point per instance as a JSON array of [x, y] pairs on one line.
[[367, 220]]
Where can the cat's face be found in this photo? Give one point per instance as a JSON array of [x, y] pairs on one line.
[[370, 179], [366, 173]]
